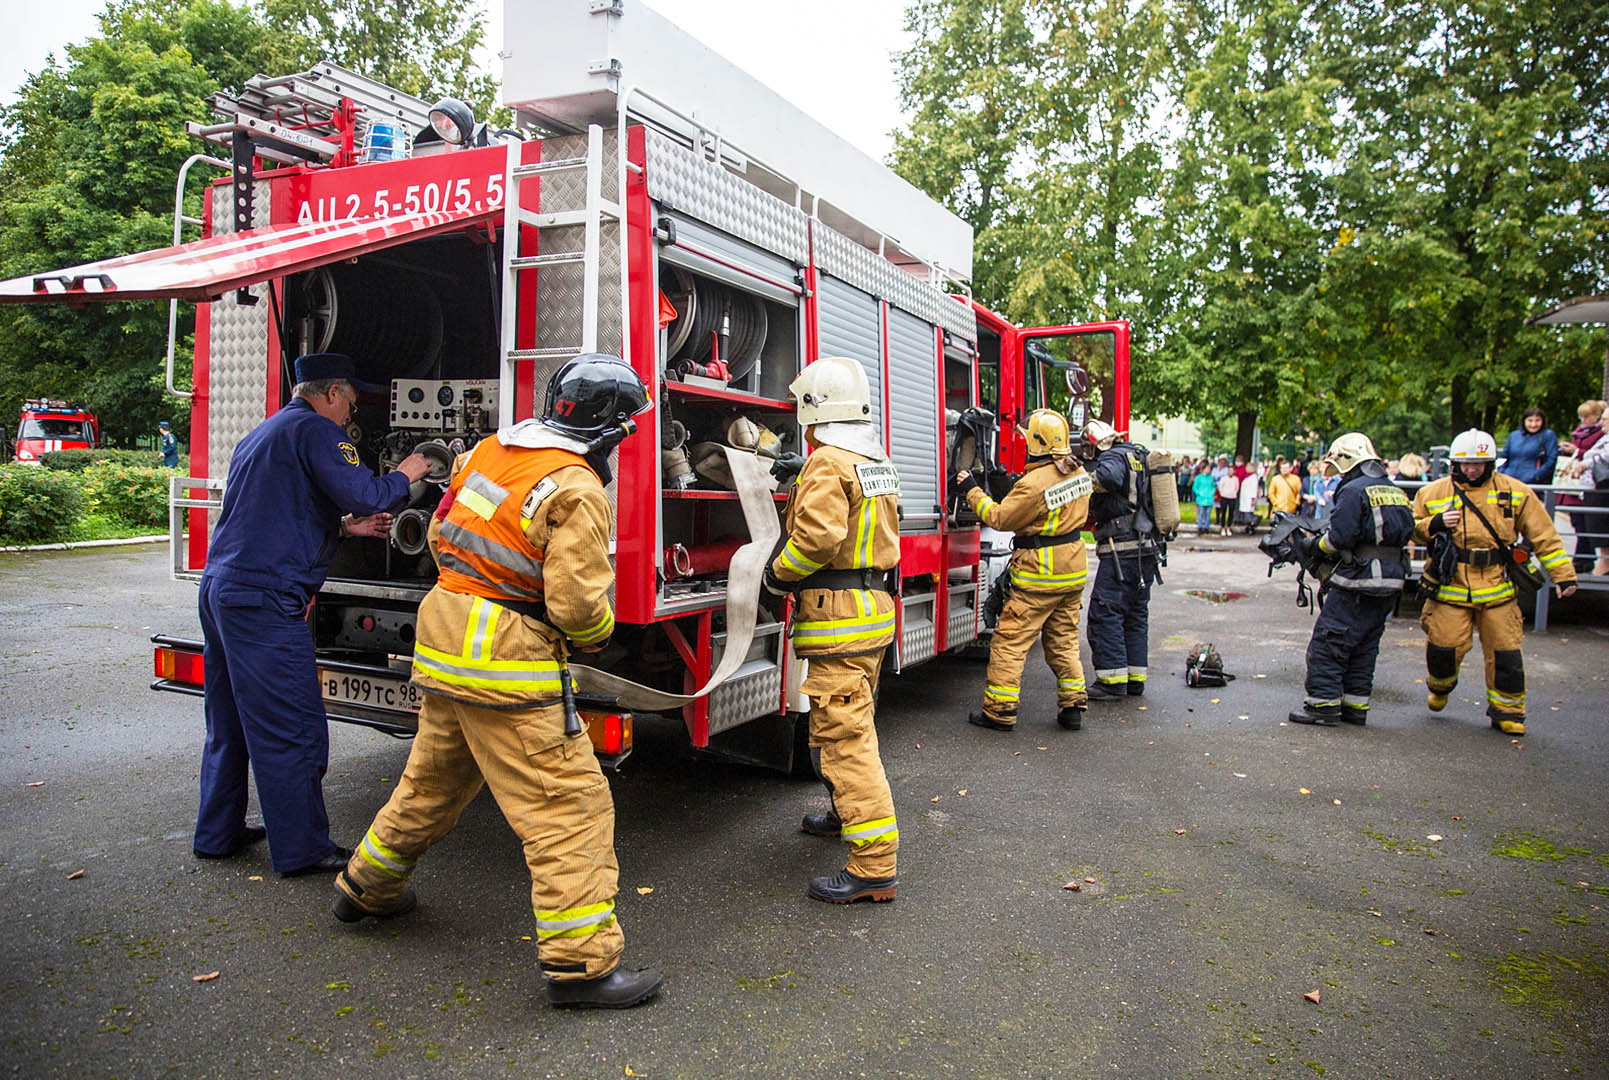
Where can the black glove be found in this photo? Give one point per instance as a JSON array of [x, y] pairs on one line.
[[786, 467], [1437, 524], [1000, 483], [961, 484], [773, 584]]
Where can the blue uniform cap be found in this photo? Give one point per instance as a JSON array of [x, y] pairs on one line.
[[324, 365], [162, 423]]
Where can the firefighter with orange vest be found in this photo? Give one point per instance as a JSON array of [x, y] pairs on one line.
[[523, 551], [1471, 519], [1046, 509], [842, 547]]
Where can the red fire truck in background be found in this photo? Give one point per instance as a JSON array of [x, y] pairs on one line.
[[48, 425], [459, 267]]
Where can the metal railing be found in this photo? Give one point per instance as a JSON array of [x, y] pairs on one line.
[[179, 501]]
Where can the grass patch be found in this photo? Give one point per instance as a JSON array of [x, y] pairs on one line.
[[101, 527], [1550, 981]]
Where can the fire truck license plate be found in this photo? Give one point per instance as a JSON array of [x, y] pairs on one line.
[[375, 691]]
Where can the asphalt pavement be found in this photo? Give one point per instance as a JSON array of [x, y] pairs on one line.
[[1422, 897]]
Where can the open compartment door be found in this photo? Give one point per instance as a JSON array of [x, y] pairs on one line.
[[1080, 371], [207, 269]]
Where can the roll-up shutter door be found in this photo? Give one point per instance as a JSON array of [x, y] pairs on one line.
[[849, 324], [913, 407]]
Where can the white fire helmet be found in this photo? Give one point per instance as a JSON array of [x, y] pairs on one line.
[[1099, 434], [832, 389], [1473, 446], [1348, 451]]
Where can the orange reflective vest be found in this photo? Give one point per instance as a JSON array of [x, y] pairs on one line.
[[483, 549]]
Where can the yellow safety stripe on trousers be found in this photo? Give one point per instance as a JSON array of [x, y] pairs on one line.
[[1355, 701], [1136, 674], [1511, 701], [869, 832], [1553, 558], [574, 922], [1315, 704], [598, 631], [796, 560], [1459, 595], [1069, 684], [1001, 693], [840, 631], [479, 629], [1033, 579], [1112, 675], [865, 533], [383, 858], [528, 676]]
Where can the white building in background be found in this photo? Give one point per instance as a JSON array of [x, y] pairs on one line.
[[1172, 433]]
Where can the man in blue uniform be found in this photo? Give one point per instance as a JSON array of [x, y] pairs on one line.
[[1370, 521], [295, 487], [170, 447], [1126, 545]]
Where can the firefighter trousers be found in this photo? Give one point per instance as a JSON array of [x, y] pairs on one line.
[[1450, 632], [553, 795], [1120, 619], [1344, 647], [1026, 616], [842, 692]]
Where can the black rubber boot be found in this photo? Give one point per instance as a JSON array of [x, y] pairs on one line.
[[349, 910], [1136, 688], [822, 824], [846, 888], [1071, 718], [1323, 716], [1354, 716], [1107, 692], [620, 989], [249, 835], [984, 720]]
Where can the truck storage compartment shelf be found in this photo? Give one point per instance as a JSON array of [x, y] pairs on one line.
[[731, 397], [698, 493]]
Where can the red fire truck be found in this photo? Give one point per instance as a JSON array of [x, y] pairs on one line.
[[460, 267], [48, 424]]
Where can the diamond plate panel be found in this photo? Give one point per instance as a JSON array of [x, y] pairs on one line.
[[917, 643], [681, 179], [867, 270], [963, 626], [237, 351], [744, 697]]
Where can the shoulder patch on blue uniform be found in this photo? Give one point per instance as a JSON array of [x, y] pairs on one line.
[[349, 452]]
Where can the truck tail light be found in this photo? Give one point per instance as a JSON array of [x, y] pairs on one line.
[[178, 665], [610, 733]]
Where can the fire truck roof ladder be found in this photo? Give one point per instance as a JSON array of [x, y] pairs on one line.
[[563, 207]]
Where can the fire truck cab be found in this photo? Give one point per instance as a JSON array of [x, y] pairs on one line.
[[48, 425], [657, 202]]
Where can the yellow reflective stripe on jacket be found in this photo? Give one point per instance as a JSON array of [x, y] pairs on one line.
[[1001, 693], [1033, 578], [797, 561], [985, 504], [479, 628], [574, 922], [1553, 558], [869, 832], [531, 676], [597, 632], [835, 631], [865, 533], [383, 858], [1436, 506]]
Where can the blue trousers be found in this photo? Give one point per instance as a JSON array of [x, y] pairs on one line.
[[1120, 619], [264, 709], [1344, 647]]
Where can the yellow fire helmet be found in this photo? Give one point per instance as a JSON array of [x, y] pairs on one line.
[[1099, 434], [1047, 434], [1473, 445], [1349, 450], [830, 390]]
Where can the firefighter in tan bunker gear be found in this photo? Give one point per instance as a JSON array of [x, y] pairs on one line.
[[1046, 509], [523, 551], [842, 543], [1477, 594]]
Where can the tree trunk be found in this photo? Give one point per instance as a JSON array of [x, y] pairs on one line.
[[1245, 427], [1605, 390], [1459, 410]]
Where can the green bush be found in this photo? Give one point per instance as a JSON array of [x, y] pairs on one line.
[[37, 506], [131, 494], [75, 460]]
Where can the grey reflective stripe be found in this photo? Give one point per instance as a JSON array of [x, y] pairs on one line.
[[863, 834], [501, 554], [481, 486], [402, 867], [581, 920], [1356, 701], [540, 672], [859, 626], [1379, 585], [487, 611], [452, 562]]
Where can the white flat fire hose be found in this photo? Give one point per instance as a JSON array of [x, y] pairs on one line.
[[754, 488]]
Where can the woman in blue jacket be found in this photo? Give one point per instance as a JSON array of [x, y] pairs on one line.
[[1531, 450]]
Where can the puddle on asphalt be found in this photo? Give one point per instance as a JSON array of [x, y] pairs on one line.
[[1215, 596]]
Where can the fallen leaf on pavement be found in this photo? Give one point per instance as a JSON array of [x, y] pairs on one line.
[[919, 746], [1312, 995], [935, 798], [1240, 776], [1303, 791], [1144, 707], [1178, 832], [1432, 931], [1089, 881], [630, 1073], [1216, 700], [1457, 818], [644, 890], [1041, 748], [1259, 676], [525, 937], [1434, 838], [255, 877], [1374, 912], [1337, 802], [963, 791], [34, 783], [1583, 884], [1073, 886], [1243, 716], [208, 977], [75, 875]]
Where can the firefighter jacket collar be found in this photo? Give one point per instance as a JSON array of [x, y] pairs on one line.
[[535, 435], [856, 436]]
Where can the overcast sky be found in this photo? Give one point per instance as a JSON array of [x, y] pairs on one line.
[[829, 57]]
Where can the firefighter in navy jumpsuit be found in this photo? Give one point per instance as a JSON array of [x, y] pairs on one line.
[[289, 484], [1120, 602], [1370, 523]]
